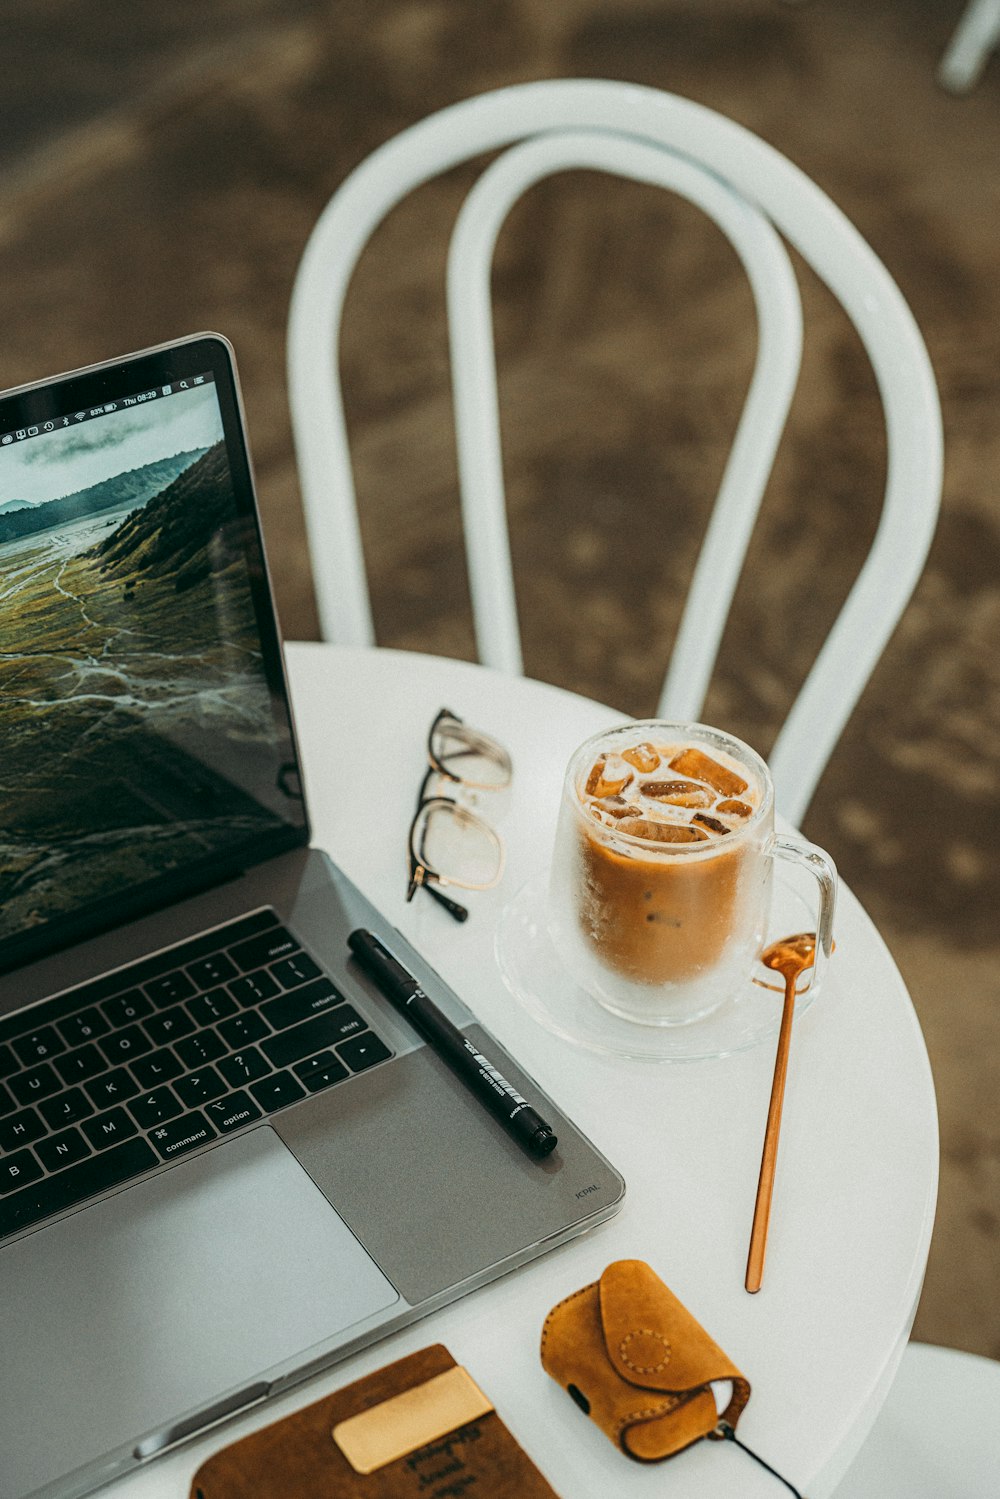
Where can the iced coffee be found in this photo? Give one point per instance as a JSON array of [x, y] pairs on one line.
[[660, 881]]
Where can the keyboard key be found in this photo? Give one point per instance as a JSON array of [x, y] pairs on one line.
[[210, 1007], [38, 1082], [182, 1135], [122, 1009], [113, 1087], [244, 1067], [295, 970], [232, 1113], [212, 970], [85, 1026], [38, 1046], [254, 987], [8, 1061], [96, 1174], [155, 1108], [66, 1108], [269, 946], [159, 1067], [6, 1100], [205, 1046], [315, 1035], [304, 1070], [290, 1009], [321, 1072], [62, 1150], [276, 1091], [200, 1087], [363, 1051], [122, 1046], [169, 988], [107, 1129], [76, 1066], [349, 1022], [18, 1171], [21, 1129], [244, 1030], [167, 1027]]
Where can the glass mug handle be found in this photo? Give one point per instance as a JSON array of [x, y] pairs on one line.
[[800, 851]]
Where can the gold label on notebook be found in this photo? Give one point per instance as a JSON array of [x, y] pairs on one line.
[[405, 1422]]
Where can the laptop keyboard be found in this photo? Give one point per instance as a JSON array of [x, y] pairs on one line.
[[109, 1080]]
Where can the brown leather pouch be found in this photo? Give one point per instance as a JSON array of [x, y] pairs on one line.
[[636, 1361]]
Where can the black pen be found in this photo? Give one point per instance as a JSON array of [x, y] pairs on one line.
[[478, 1074]]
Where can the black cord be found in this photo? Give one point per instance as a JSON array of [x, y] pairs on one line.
[[725, 1430]]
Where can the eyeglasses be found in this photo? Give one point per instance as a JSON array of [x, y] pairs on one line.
[[449, 844]]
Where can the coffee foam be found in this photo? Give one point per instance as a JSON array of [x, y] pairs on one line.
[[618, 790]]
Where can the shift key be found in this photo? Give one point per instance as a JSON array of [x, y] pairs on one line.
[[315, 1035]]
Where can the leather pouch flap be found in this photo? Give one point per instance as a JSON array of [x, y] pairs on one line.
[[651, 1338]]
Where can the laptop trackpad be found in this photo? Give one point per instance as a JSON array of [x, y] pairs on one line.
[[160, 1300]]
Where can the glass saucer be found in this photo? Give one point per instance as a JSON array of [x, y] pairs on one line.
[[535, 975]]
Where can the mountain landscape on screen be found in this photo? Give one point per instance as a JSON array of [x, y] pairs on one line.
[[18, 518], [132, 692]]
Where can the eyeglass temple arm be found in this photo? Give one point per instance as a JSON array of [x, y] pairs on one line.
[[421, 882], [451, 906]]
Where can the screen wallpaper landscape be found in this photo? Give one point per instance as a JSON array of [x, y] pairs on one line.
[[136, 729]]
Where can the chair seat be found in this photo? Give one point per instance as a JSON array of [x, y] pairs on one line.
[[935, 1437]]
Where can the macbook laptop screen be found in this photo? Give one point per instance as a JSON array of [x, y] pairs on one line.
[[146, 741]]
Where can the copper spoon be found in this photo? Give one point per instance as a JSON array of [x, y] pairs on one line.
[[788, 956]]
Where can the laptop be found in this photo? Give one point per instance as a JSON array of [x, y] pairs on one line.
[[225, 1161]]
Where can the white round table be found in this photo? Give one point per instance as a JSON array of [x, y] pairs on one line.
[[857, 1175]]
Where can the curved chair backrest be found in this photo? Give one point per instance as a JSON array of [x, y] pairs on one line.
[[753, 193]]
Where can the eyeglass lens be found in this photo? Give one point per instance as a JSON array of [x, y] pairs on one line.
[[450, 841], [466, 755]]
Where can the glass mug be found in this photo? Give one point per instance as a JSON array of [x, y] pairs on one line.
[[660, 890]]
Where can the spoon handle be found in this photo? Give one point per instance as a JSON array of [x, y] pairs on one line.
[[769, 1157]]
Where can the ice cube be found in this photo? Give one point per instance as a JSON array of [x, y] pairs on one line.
[[617, 806], [701, 767], [596, 771], [600, 784], [712, 823], [678, 793], [662, 832], [644, 757], [734, 808]]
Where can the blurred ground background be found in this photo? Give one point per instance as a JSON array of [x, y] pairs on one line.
[[160, 170]]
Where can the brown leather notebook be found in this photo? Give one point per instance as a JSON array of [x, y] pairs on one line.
[[420, 1426]]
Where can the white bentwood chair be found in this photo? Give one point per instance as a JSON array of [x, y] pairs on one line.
[[758, 198], [968, 52], [935, 1437]]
